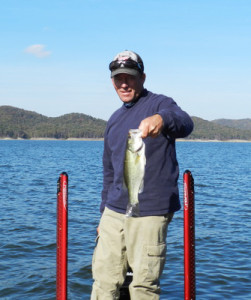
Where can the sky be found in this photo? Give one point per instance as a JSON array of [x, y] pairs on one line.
[[55, 54]]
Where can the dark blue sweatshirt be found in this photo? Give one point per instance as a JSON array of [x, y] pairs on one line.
[[160, 194]]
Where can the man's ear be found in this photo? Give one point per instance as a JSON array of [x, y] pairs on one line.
[[143, 76]]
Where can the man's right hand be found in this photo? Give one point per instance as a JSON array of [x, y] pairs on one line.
[[151, 126]]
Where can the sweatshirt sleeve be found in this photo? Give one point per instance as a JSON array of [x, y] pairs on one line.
[[108, 172], [177, 123]]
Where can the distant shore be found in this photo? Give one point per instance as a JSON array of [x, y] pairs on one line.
[[214, 141], [52, 139], [101, 139]]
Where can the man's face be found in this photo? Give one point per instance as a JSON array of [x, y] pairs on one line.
[[128, 87]]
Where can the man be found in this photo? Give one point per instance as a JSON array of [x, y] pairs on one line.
[[138, 242]]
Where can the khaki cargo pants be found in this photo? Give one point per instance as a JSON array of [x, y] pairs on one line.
[[139, 242]]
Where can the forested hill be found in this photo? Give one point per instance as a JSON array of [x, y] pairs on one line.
[[244, 124], [19, 123], [207, 130]]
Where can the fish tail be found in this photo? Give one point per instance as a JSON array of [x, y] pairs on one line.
[[132, 210]]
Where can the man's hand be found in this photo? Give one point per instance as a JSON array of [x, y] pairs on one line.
[[151, 126]]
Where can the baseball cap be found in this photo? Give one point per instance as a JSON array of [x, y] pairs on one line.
[[127, 62]]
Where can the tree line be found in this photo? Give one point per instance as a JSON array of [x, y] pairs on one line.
[[19, 123]]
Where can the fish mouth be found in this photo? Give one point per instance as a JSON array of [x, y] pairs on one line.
[[135, 134], [140, 147], [134, 131], [137, 149]]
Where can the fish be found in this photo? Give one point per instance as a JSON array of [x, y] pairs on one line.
[[134, 170]]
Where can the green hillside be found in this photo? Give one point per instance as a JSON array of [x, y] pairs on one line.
[[244, 124], [210, 130], [19, 123]]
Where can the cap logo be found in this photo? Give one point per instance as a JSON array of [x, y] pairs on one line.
[[122, 58]]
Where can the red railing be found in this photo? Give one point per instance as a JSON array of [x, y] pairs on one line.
[[62, 236], [189, 237]]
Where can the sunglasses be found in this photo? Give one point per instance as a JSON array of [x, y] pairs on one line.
[[131, 64]]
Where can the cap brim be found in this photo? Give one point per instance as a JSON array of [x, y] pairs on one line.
[[124, 71]]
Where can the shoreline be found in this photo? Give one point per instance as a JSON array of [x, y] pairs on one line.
[[52, 139], [213, 141], [101, 139]]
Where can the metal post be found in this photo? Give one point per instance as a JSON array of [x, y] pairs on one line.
[[189, 237], [62, 235]]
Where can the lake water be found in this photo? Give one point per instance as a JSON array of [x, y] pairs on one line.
[[28, 183]]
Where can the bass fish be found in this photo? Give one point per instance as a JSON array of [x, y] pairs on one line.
[[134, 170]]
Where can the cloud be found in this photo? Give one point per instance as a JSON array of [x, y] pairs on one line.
[[38, 51]]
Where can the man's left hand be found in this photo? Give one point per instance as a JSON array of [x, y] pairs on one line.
[[151, 126]]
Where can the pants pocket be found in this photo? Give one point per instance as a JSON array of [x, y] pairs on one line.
[[94, 253], [156, 257]]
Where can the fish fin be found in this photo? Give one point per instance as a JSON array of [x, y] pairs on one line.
[[141, 187]]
